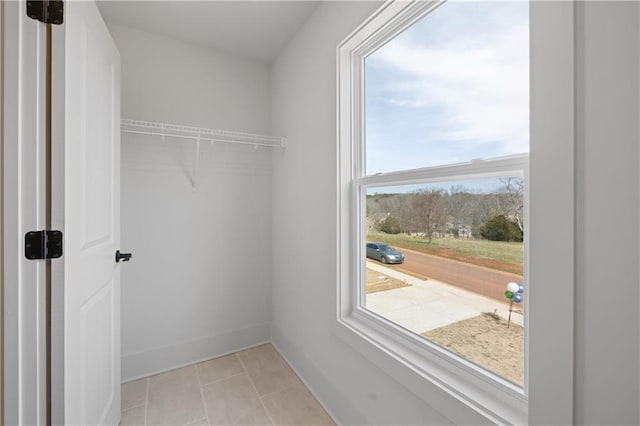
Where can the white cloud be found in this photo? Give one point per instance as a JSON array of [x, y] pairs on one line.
[[480, 86]]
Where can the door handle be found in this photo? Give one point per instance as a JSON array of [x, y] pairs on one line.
[[125, 257]]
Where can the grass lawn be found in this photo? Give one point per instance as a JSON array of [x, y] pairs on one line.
[[377, 281], [507, 257]]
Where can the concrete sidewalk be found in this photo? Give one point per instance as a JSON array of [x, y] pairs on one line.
[[429, 304]]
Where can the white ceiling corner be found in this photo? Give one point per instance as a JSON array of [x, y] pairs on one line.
[[254, 29]]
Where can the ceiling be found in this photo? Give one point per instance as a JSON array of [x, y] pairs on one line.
[[254, 29]]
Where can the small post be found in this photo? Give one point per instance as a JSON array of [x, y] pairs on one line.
[[510, 310]]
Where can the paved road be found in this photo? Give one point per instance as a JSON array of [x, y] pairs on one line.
[[480, 280]]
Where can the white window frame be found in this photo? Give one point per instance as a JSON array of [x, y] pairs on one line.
[[423, 367]]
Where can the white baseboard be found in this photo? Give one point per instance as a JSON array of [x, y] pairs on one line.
[[158, 360]]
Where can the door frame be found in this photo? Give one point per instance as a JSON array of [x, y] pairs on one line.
[[23, 208], [2, 214], [57, 222]]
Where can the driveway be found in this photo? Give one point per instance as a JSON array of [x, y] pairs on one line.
[[429, 304]]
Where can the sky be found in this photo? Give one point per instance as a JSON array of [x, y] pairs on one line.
[[451, 88]]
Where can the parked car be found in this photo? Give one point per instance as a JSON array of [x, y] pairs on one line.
[[384, 253]]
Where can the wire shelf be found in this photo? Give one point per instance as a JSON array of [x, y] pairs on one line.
[[200, 135], [165, 130]]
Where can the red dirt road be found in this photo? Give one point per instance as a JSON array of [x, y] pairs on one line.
[[487, 282]]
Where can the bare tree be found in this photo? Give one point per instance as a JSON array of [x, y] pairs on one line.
[[428, 211], [514, 189]]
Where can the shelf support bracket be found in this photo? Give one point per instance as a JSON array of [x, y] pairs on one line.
[[194, 179]]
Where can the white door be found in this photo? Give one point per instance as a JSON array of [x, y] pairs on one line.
[[91, 215]]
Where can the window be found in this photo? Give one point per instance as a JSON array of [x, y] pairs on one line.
[[463, 247], [438, 196], [445, 151]]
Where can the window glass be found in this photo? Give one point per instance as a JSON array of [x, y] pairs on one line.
[[451, 88], [450, 266]]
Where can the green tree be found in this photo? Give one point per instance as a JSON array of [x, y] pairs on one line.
[[500, 228], [391, 225]]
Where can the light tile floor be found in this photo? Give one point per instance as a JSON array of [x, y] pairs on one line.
[[252, 387]]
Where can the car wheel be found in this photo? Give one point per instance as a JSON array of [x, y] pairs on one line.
[[383, 260]]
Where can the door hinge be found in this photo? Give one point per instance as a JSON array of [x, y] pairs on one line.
[[43, 245], [47, 11]]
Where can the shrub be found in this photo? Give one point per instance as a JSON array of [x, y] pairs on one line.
[[500, 228], [391, 225]]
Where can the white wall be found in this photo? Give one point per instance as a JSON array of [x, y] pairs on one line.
[[607, 214], [204, 287], [304, 226], [199, 283]]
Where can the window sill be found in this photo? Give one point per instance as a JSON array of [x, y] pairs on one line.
[[433, 374]]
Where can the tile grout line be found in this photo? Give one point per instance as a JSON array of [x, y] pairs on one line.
[[135, 406], [146, 403], [224, 378], [285, 389], [266, 410], [204, 402]]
